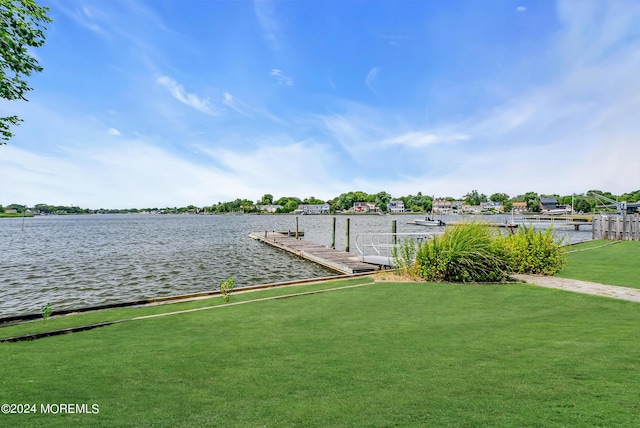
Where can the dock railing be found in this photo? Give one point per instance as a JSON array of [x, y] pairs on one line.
[[378, 248]]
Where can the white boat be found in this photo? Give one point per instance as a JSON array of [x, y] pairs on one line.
[[429, 222]]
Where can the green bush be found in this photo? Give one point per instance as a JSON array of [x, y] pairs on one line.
[[535, 252], [469, 252]]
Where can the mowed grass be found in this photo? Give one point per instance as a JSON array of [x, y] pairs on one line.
[[386, 354], [606, 262], [116, 314]]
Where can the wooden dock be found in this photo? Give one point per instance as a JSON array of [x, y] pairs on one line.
[[339, 261]]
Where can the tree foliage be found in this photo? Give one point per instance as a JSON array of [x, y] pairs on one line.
[[22, 25], [475, 198]]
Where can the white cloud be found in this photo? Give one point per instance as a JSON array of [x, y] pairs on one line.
[[270, 26], [114, 131], [420, 139], [371, 78], [521, 9], [281, 78], [190, 99]]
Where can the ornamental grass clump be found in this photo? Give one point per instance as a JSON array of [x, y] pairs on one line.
[[535, 252], [468, 252]]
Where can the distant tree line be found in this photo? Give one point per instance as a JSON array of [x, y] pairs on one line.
[[584, 202]]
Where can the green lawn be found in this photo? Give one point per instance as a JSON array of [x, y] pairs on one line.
[[386, 354], [607, 262]]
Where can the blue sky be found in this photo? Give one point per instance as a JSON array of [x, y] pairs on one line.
[[169, 103]]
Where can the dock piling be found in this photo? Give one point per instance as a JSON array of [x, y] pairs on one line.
[[333, 233], [394, 229], [346, 238]]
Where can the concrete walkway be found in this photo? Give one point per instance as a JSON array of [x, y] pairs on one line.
[[585, 287]]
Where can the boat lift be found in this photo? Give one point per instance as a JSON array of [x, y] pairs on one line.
[[621, 207]]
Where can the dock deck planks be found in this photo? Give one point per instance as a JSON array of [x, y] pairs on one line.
[[339, 261]]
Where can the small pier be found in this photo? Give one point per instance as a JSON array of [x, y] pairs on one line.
[[339, 261]]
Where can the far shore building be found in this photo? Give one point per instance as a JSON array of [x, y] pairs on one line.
[[395, 206], [365, 207], [441, 206], [519, 207], [471, 209], [313, 209], [269, 208], [492, 206]]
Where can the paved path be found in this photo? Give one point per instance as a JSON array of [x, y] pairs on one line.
[[585, 287]]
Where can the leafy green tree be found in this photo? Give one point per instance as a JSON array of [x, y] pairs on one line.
[[267, 199], [312, 200], [582, 204], [17, 207], [474, 198], [533, 201], [345, 201], [631, 197], [289, 204], [22, 25], [382, 200], [499, 197]]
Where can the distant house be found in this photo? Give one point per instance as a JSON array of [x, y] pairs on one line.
[[395, 206], [492, 206], [551, 206], [11, 211], [269, 208], [519, 207], [548, 204], [365, 207], [471, 209], [313, 209], [457, 206], [441, 206]]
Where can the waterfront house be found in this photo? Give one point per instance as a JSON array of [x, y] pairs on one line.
[[551, 206], [441, 206], [313, 209], [395, 206], [365, 207], [471, 209], [548, 204], [519, 207], [492, 206], [269, 208]]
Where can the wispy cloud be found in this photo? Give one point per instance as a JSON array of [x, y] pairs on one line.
[[114, 131], [371, 78], [420, 139], [247, 110], [190, 99], [264, 10], [282, 79], [521, 9]]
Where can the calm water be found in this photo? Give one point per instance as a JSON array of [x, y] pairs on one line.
[[75, 261]]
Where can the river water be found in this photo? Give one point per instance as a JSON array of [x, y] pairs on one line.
[[83, 260]]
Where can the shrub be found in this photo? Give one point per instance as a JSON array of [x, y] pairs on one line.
[[468, 252], [535, 252], [404, 256], [226, 288]]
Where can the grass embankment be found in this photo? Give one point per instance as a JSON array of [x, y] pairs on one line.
[[14, 215], [606, 262], [386, 354]]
